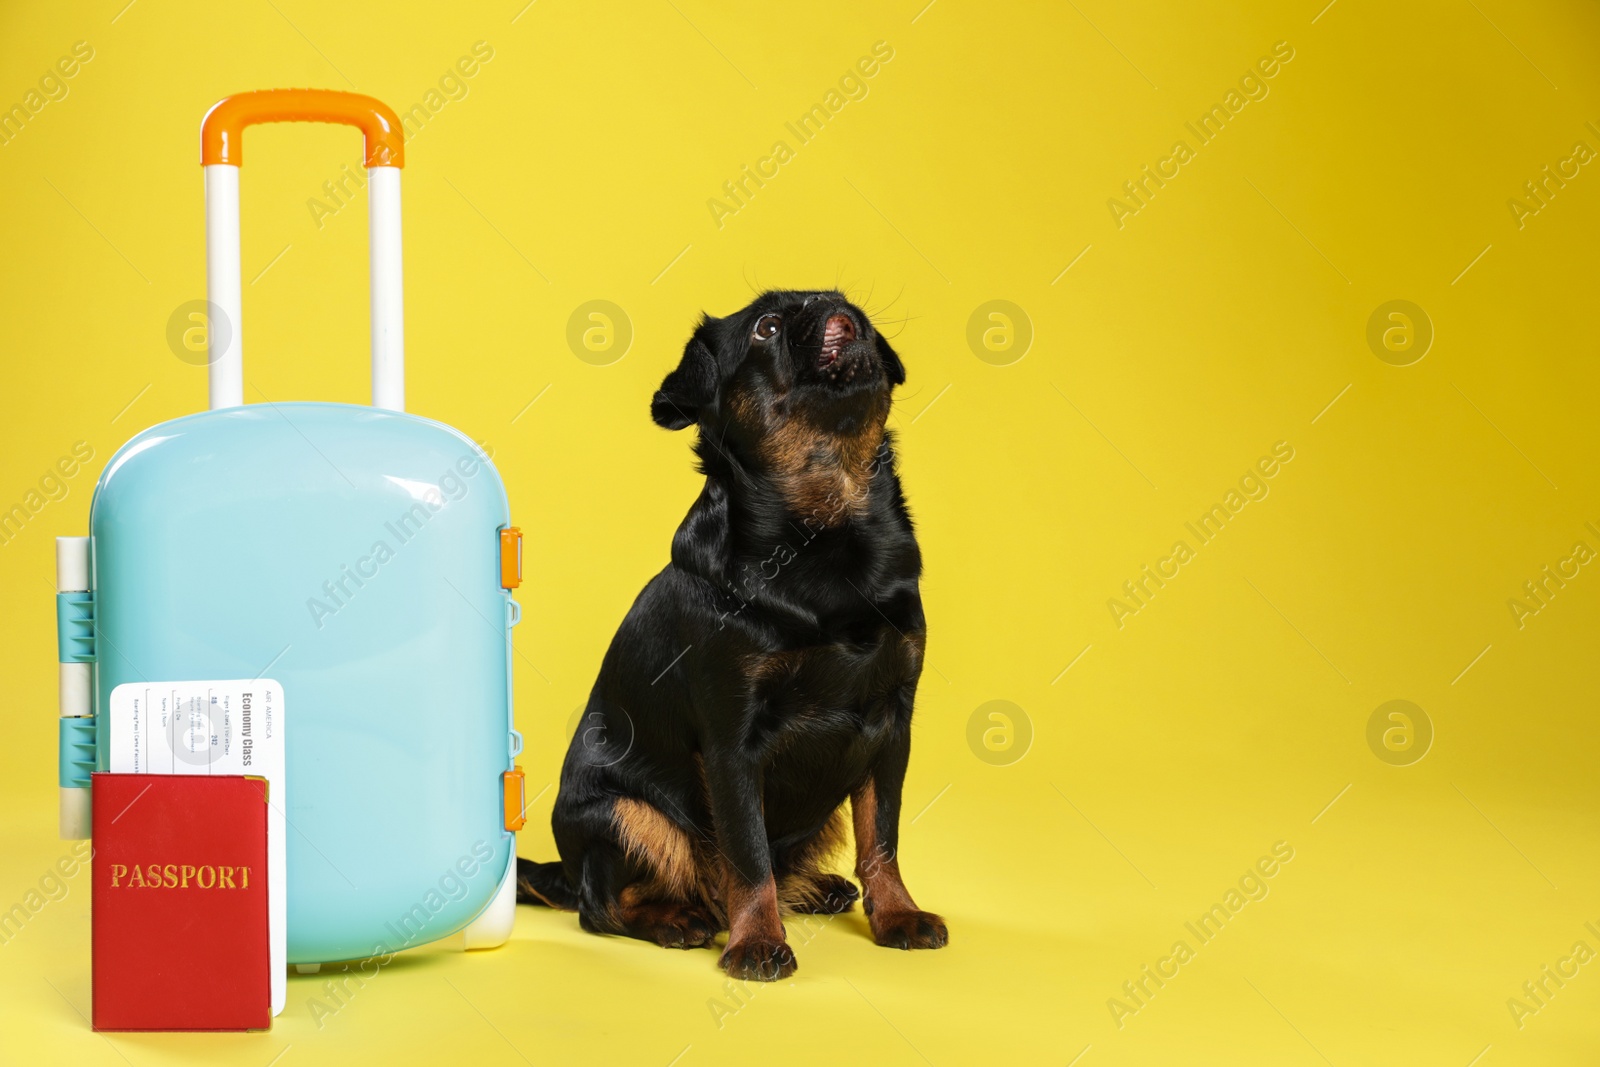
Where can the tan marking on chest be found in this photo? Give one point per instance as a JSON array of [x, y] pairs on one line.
[[824, 477]]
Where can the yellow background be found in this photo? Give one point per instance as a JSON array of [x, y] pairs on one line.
[[1222, 318]]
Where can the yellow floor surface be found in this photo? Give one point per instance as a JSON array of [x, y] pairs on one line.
[[1321, 273]]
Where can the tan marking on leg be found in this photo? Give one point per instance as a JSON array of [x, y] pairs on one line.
[[752, 909], [896, 920], [652, 839], [881, 885], [756, 946]]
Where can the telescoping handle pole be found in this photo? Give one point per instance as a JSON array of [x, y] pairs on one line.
[[221, 154]]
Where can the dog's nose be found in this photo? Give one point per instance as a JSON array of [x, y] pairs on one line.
[[837, 332]]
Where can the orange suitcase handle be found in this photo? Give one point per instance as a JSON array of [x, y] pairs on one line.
[[222, 151], [221, 134]]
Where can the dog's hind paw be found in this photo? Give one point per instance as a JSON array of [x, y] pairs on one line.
[[691, 929], [672, 924], [828, 894]]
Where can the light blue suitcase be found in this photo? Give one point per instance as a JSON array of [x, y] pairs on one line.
[[362, 558]]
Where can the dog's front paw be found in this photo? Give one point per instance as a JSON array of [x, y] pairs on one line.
[[758, 960], [909, 929]]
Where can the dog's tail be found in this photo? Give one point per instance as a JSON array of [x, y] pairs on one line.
[[544, 883]]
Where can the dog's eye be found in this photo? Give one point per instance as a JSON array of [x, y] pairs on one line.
[[767, 326]]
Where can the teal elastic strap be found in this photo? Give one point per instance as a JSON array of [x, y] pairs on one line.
[[75, 627], [77, 751]]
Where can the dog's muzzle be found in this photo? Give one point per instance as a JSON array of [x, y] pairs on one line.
[[844, 354]]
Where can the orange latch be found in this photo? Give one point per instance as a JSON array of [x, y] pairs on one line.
[[510, 557], [516, 797]]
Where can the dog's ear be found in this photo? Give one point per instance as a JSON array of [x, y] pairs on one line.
[[891, 362], [692, 386]]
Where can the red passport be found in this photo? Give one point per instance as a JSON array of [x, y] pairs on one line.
[[180, 903]]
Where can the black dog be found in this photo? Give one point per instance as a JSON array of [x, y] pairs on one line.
[[768, 672]]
